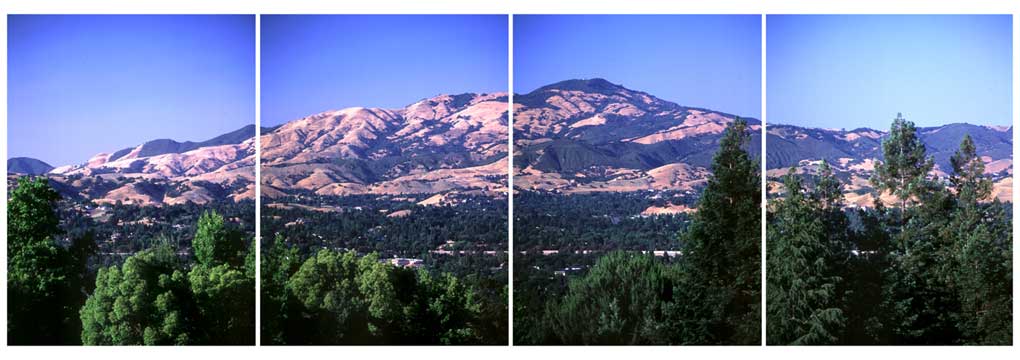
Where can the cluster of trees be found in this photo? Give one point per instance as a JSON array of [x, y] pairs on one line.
[[339, 297], [709, 295], [934, 268], [156, 297]]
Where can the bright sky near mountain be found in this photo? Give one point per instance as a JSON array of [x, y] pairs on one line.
[[850, 71], [83, 84]]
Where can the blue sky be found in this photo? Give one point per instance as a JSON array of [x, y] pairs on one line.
[[709, 61], [852, 71], [315, 63], [84, 84]]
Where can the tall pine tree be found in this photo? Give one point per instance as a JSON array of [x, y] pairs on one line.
[[722, 250], [978, 264], [803, 290]]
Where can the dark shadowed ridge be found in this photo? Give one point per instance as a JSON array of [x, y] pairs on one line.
[[26, 165]]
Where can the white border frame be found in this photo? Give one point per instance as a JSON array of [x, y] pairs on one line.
[[509, 7]]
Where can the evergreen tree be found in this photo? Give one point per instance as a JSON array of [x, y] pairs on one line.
[[803, 301], [968, 177], [920, 299], [722, 250], [979, 261], [905, 167]]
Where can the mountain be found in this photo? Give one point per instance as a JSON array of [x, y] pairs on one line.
[[27, 166], [165, 171], [168, 146], [852, 154], [582, 136], [440, 145]]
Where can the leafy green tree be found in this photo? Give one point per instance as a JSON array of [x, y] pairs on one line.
[[225, 299], [722, 250], [327, 288], [145, 301], [278, 263], [44, 280], [222, 284], [623, 300], [216, 244], [803, 302], [443, 310]]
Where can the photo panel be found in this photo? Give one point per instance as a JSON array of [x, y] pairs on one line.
[[889, 176], [384, 152], [131, 178], [637, 192]]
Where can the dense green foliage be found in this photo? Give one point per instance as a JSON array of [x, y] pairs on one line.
[[935, 269], [45, 281], [323, 280], [339, 297], [708, 295], [802, 306], [155, 297]]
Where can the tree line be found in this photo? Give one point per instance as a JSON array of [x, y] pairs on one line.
[[709, 295], [935, 267], [155, 297]]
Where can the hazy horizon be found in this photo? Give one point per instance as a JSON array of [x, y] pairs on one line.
[[85, 84], [851, 71]]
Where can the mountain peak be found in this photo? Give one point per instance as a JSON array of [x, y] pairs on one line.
[[593, 85], [26, 165]]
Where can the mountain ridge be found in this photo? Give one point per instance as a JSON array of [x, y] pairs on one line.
[[358, 150], [165, 171], [592, 135]]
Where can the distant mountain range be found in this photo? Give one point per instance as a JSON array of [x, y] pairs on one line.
[[583, 136], [429, 150], [158, 172], [852, 154]]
